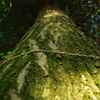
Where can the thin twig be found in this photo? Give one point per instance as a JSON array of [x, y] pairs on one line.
[[54, 52]]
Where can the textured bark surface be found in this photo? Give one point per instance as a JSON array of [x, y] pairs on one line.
[[48, 76]]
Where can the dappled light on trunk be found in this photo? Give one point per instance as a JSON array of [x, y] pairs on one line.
[[65, 66]]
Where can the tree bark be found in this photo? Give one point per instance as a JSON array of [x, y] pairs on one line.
[[47, 75]]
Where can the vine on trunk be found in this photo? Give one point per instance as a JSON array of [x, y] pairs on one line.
[[54, 52]]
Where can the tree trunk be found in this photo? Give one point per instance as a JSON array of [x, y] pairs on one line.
[[45, 72]]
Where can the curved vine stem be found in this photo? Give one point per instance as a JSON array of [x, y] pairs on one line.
[[54, 52]]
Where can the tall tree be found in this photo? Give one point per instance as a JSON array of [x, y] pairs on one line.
[[54, 60]]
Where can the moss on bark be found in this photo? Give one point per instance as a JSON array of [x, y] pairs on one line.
[[48, 76]]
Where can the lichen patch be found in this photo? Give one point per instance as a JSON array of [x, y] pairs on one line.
[[52, 45], [32, 45], [44, 30], [21, 78], [42, 61], [56, 37], [46, 91], [13, 95], [51, 13]]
